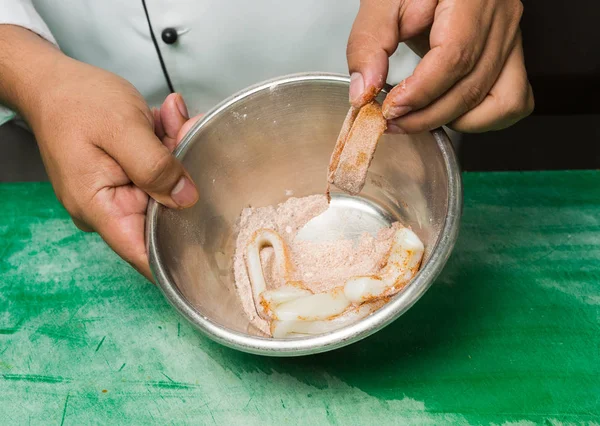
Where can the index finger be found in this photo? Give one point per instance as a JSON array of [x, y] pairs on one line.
[[457, 40], [373, 38]]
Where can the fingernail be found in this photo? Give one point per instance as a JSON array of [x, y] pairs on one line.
[[393, 128], [181, 106], [357, 87], [184, 194], [391, 112]]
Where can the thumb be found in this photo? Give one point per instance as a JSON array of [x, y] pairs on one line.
[[151, 166], [373, 39]]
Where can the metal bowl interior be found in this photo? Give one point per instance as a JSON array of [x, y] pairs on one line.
[[262, 145]]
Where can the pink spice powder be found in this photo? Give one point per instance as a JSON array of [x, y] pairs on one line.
[[320, 265]]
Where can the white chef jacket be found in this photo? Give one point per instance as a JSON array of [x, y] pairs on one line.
[[222, 46]]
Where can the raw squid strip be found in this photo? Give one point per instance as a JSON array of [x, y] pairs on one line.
[[403, 263], [293, 309], [281, 329], [264, 238], [320, 306]]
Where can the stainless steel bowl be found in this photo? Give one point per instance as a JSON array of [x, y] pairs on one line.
[[258, 147]]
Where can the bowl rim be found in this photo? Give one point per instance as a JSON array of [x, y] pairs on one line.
[[391, 311]]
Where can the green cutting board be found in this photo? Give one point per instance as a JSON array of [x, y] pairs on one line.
[[510, 332]]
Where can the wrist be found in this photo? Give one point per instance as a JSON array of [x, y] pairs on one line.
[[26, 62]]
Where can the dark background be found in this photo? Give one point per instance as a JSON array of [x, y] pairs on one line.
[[562, 54], [561, 41]]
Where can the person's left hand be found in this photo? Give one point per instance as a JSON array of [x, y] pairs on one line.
[[171, 123]]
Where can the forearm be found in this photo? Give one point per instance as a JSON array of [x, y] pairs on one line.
[[26, 61]]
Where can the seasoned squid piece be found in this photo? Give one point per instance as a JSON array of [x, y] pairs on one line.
[[355, 147], [294, 310], [341, 142], [265, 238], [298, 328], [402, 264]]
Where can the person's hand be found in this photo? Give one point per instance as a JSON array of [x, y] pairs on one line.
[[106, 152], [472, 75]]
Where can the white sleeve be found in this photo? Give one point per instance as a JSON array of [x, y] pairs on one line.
[[23, 14]]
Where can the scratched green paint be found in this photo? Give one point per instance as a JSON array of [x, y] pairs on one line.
[[509, 333]]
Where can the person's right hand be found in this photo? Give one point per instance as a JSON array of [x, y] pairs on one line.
[[472, 75], [98, 142]]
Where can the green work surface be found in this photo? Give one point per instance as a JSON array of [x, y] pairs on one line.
[[509, 332]]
